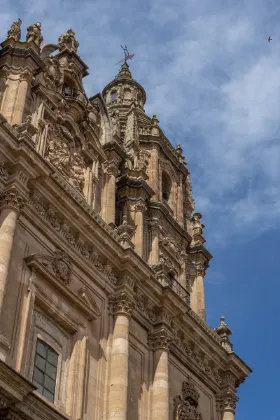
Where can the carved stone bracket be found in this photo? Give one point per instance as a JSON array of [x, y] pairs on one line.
[[12, 198], [160, 339], [186, 405], [110, 168]]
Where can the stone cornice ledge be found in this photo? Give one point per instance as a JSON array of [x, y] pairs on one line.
[[15, 385]]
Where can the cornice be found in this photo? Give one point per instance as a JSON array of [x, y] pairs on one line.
[[22, 52], [200, 249], [15, 385]]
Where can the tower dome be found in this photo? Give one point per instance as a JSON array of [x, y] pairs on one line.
[[124, 90]]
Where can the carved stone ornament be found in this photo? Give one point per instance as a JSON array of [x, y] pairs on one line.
[[12, 199], [15, 32], [224, 332], [122, 304], [34, 34], [64, 154], [230, 401], [160, 339], [185, 405], [62, 266], [67, 41]]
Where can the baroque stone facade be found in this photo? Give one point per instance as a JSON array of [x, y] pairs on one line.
[[102, 255]]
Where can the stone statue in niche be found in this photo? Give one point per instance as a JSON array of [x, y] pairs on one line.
[[64, 154], [15, 32], [34, 34], [67, 41], [141, 160]]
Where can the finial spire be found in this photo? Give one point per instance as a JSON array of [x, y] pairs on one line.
[[224, 332]]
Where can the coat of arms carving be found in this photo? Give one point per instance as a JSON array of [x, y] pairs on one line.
[[186, 405], [62, 266]]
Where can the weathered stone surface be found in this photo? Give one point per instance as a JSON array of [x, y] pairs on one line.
[[101, 254]]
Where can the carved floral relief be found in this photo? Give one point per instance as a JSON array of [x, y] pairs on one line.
[[64, 154]]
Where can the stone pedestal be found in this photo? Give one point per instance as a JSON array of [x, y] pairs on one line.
[[160, 341], [122, 306], [11, 203]]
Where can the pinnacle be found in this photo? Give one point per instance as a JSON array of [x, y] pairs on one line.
[[124, 72]]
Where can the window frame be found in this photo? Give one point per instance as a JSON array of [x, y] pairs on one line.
[[41, 335], [44, 372]]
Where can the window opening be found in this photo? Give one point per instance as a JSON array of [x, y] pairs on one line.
[[45, 370]]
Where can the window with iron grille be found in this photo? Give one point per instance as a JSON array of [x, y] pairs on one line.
[[45, 370]]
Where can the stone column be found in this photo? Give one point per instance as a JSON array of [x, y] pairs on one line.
[[122, 306], [230, 400], [153, 172], [198, 290], [137, 210], [109, 192], [180, 212], [11, 202], [24, 81], [160, 341], [154, 252]]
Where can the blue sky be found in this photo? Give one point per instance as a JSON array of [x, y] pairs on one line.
[[214, 82]]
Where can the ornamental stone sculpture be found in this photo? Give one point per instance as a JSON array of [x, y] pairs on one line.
[[34, 34], [67, 41], [15, 32]]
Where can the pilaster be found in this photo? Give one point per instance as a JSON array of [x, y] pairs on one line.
[[121, 307], [160, 341]]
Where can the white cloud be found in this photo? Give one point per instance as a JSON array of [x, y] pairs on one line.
[[212, 79]]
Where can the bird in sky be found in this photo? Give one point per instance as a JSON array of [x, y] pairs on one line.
[[269, 39]]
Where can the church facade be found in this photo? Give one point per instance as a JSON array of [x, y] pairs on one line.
[[102, 254]]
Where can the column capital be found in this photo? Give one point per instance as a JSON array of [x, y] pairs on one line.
[[122, 304], [200, 269], [138, 205], [229, 401], [12, 198], [111, 168], [160, 339]]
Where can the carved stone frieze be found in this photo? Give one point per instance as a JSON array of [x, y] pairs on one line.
[[12, 198], [160, 339], [145, 306], [186, 404], [74, 239], [196, 356]]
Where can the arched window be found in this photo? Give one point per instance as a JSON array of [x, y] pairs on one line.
[[166, 186], [114, 95]]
